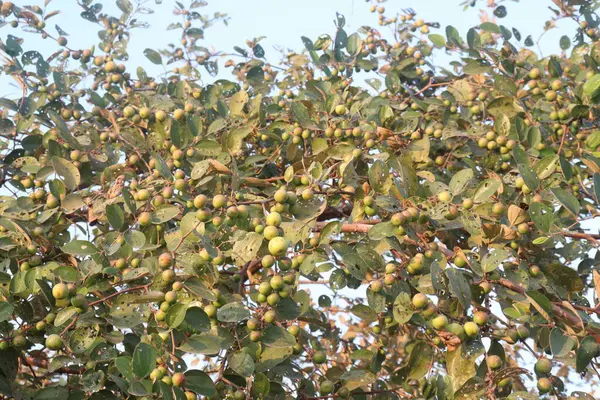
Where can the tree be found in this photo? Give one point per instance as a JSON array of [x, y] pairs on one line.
[[166, 239]]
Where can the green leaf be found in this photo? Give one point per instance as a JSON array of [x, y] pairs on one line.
[[63, 129], [420, 360], [565, 42], [587, 350], [403, 309], [6, 310], [67, 171], [460, 367], [459, 287], [541, 304], [242, 363], [528, 174], [199, 382], [143, 360], [237, 102], [80, 248], [176, 315], [197, 319], [460, 181], [164, 213], [486, 189], [246, 247], [261, 386], [437, 40], [301, 114], [52, 393], [493, 259], [379, 177], [64, 316], [565, 198], [560, 344], [546, 166], [233, 312], [542, 215], [592, 86], [356, 378], [564, 276], [153, 56], [115, 215], [274, 336]]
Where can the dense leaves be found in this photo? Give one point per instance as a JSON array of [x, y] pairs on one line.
[[290, 232]]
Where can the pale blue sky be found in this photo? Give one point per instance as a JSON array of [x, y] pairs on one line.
[[283, 22]]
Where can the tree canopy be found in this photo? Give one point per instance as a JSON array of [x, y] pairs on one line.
[[293, 232]]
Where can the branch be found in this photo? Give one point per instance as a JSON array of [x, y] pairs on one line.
[[110, 296], [573, 320]]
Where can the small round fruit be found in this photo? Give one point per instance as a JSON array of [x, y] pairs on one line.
[[494, 362], [544, 385], [420, 301], [60, 291], [54, 342], [480, 318], [444, 196], [274, 219], [178, 379], [471, 329], [270, 316], [439, 322], [543, 366], [278, 246], [19, 341], [326, 387], [219, 201], [168, 275], [523, 332], [319, 357]]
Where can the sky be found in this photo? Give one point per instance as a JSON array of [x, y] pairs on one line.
[[282, 23]]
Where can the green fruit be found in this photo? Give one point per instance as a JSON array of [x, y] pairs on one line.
[[420, 301], [270, 232], [340, 109], [276, 282], [543, 366], [544, 385], [254, 336], [253, 324], [471, 329], [270, 316], [178, 379], [343, 392], [168, 275], [494, 362], [480, 318], [219, 201], [210, 310], [280, 196], [460, 262], [457, 330], [278, 246], [273, 299], [444, 196], [523, 332], [54, 342], [319, 357], [80, 302], [60, 291], [165, 260], [376, 286], [326, 387], [439, 322], [19, 341], [267, 261], [145, 218], [294, 330], [273, 219]]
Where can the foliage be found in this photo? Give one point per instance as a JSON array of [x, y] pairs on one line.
[[168, 239]]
